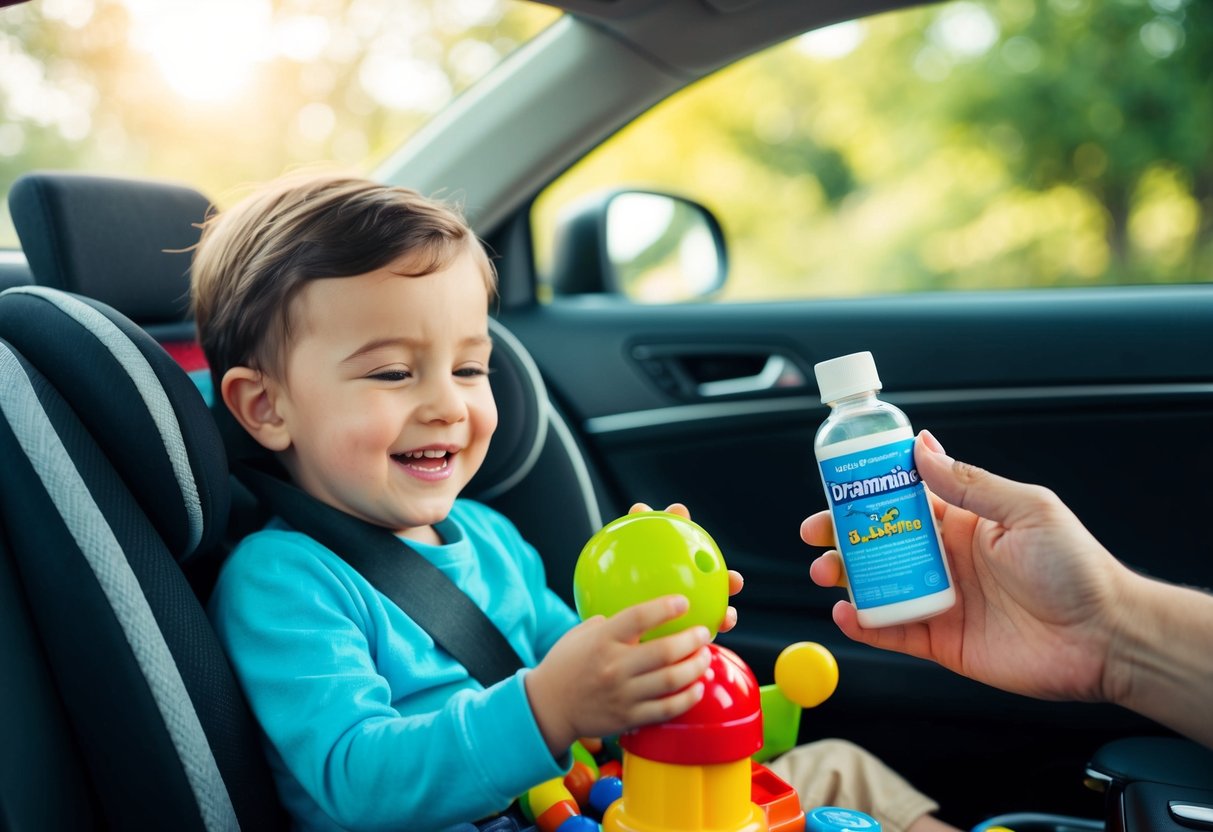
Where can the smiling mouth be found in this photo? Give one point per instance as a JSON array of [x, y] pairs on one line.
[[430, 459]]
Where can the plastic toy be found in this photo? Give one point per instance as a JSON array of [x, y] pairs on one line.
[[695, 772], [836, 819], [647, 554]]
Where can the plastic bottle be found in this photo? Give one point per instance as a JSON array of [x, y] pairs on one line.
[[891, 549]]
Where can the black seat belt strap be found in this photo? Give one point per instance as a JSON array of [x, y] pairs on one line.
[[397, 570]]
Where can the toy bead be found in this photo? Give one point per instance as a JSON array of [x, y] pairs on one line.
[[591, 744], [611, 768], [578, 781], [836, 819], [546, 794], [806, 673], [605, 792], [553, 818], [582, 753], [578, 823]]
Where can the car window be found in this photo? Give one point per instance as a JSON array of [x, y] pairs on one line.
[[223, 93], [966, 145]]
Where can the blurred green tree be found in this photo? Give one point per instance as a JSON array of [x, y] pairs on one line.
[[227, 93], [987, 144]]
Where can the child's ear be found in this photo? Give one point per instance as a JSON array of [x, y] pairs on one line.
[[251, 400]]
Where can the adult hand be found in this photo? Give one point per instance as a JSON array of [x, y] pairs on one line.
[[1037, 595]]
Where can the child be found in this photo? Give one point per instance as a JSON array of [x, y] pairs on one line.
[[346, 328]]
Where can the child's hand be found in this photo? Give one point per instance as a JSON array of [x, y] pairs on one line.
[[735, 580], [599, 679]]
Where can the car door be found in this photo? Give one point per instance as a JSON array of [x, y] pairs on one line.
[[1045, 387], [1101, 392]]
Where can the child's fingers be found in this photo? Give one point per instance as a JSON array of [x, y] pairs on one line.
[[827, 570], [666, 652], [629, 624], [668, 707], [670, 678], [672, 508], [818, 530], [730, 619], [736, 582]]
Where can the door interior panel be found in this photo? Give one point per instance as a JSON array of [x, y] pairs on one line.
[[1105, 396]]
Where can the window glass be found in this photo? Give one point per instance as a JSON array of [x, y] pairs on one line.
[[967, 145], [224, 93]]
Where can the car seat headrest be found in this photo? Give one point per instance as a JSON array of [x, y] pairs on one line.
[[141, 409], [522, 417], [522, 424], [124, 242]]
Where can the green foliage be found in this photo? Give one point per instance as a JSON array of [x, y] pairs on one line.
[[223, 94], [966, 145], [972, 144]]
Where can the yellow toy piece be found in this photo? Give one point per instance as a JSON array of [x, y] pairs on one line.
[[664, 797], [547, 794], [806, 673]]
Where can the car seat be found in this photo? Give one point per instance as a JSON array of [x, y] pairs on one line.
[[124, 242], [121, 711], [118, 709]]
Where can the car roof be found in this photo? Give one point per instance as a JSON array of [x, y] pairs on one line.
[[594, 70]]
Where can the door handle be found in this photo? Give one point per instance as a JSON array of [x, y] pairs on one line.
[[703, 371], [777, 373]]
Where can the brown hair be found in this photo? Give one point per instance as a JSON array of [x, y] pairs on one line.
[[255, 258]]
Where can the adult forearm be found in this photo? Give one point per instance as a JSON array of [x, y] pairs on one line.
[[1160, 662]]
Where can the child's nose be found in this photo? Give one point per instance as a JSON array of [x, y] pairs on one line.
[[443, 402]]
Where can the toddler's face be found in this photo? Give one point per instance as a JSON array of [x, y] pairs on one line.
[[387, 400]]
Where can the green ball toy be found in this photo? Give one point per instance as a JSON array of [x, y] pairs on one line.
[[646, 555]]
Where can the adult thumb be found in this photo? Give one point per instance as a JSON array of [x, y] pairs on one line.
[[972, 488]]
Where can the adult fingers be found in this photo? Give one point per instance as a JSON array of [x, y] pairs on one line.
[[818, 530], [972, 488], [827, 570]]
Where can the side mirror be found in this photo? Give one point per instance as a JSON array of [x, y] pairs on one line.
[[649, 247]]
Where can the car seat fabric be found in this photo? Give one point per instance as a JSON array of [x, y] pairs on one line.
[[124, 242], [114, 474]]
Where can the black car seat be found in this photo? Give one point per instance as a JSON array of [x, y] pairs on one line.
[[118, 710], [122, 712], [124, 242]]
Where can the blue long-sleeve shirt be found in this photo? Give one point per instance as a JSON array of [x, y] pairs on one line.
[[369, 724]]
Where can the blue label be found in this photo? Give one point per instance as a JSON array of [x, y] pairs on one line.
[[886, 532]]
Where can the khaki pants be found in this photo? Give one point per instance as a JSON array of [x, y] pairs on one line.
[[840, 773]]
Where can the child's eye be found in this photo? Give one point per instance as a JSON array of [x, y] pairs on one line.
[[391, 375], [471, 372]]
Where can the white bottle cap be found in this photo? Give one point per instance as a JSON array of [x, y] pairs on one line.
[[846, 375]]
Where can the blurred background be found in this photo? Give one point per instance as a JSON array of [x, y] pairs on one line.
[[964, 145]]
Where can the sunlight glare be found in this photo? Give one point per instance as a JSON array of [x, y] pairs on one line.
[[832, 42], [205, 51], [965, 30]]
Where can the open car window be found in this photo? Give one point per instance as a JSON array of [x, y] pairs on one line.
[[978, 144], [223, 94]]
